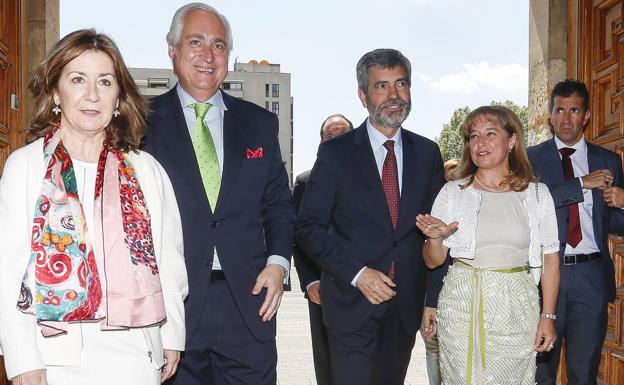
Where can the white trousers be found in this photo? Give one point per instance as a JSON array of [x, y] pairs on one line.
[[114, 357]]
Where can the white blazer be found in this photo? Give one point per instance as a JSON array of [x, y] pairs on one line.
[[23, 347]]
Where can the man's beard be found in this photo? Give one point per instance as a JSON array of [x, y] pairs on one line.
[[389, 119]]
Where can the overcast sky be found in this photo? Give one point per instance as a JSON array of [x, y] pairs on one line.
[[463, 52]]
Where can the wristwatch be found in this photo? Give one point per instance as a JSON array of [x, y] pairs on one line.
[[551, 316]]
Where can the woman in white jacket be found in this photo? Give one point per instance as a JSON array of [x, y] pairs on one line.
[[92, 275], [495, 220]]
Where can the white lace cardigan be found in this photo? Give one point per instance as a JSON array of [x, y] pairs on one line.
[[462, 205]]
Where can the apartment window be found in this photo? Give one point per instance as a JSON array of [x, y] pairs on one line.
[[266, 106], [275, 90], [158, 83], [275, 108], [235, 86], [266, 90]]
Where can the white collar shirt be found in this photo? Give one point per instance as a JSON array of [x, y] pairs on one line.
[[377, 140], [213, 118]]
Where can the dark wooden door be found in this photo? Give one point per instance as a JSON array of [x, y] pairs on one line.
[[596, 56], [11, 42]]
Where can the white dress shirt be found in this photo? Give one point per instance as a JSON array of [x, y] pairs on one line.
[[214, 122], [377, 140], [588, 243]]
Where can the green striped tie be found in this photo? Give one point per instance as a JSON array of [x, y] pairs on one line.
[[206, 154]]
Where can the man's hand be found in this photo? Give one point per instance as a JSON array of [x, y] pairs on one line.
[[601, 179], [546, 336], [429, 326], [376, 286], [172, 358], [314, 293], [613, 196], [271, 278], [33, 377]]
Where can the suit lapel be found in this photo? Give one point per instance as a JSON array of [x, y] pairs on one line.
[[233, 148], [177, 141], [594, 162], [554, 172], [367, 168], [411, 173]]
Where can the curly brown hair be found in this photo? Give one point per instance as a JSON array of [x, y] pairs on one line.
[[125, 131], [521, 172]]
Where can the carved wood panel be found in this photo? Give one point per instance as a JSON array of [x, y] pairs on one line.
[[11, 42], [597, 40]]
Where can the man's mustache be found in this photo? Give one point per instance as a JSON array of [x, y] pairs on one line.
[[394, 103]]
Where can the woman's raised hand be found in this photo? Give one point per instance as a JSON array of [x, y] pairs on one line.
[[433, 228]]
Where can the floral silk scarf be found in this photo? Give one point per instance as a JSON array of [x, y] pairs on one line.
[[62, 282]]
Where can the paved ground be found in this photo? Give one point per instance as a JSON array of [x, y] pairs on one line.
[[295, 366]]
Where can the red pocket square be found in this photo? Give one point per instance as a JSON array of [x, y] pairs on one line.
[[255, 154]]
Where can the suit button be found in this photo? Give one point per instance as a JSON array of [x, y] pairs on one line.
[[214, 224], [206, 262]]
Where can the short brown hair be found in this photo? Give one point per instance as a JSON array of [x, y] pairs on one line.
[[125, 131], [521, 172]]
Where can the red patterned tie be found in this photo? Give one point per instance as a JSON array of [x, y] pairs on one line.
[[390, 182], [574, 220]]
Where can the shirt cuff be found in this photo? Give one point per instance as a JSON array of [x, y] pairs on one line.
[[357, 276], [312, 283], [283, 262]]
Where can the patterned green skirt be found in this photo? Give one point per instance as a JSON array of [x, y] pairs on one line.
[[487, 320]]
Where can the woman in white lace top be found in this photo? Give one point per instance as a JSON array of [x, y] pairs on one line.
[[497, 222]]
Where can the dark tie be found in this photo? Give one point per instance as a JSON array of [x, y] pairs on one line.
[[390, 182], [574, 220]]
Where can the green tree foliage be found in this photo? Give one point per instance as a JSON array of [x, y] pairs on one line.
[[450, 141]]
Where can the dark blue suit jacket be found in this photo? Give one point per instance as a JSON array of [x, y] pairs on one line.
[[546, 163], [344, 225], [307, 270], [254, 215]]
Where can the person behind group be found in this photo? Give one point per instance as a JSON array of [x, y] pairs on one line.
[[92, 274], [309, 272], [223, 156], [495, 219], [428, 329], [585, 181], [357, 222]]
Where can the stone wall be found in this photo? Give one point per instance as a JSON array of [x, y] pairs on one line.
[[547, 61]]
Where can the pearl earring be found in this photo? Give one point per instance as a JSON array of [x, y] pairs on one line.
[[56, 110]]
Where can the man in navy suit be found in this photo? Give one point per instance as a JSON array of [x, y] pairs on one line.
[[357, 221], [223, 158], [583, 179], [309, 272]]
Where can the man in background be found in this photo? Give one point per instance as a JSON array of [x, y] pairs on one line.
[[309, 272], [583, 179]]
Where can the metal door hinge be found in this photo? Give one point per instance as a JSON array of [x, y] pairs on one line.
[[14, 102]]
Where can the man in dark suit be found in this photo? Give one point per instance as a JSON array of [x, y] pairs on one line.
[[223, 158], [309, 272], [357, 221], [582, 178]]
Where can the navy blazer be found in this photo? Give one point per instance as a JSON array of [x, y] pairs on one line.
[[254, 216], [546, 163], [307, 270], [344, 224]]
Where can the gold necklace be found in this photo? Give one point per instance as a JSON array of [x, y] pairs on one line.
[[490, 188]]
